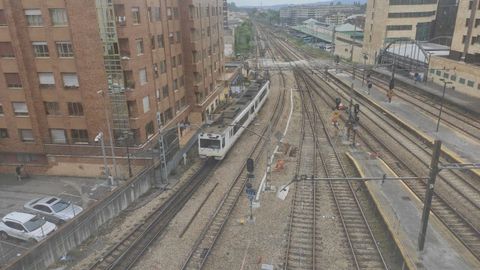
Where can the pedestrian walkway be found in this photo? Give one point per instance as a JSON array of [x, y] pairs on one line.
[[402, 211], [461, 99], [458, 145]]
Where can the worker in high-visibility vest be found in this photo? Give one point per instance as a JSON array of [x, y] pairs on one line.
[[335, 116]]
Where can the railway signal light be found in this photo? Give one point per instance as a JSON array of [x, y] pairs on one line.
[[356, 109], [250, 165]]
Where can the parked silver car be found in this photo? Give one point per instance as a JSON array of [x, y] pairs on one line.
[[25, 226], [53, 209]]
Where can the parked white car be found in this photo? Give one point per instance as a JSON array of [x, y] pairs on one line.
[[53, 209], [25, 226]]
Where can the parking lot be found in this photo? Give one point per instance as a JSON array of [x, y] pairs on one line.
[[14, 194]]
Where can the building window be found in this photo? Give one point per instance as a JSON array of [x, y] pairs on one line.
[[398, 27], [461, 80], [136, 15], [6, 50], [163, 66], [180, 61], [40, 49], [175, 12], [58, 136], [168, 115], [155, 70], [64, 49], [58, 16], [13, 80], [446, 75], [470, 83], [175, 84], [46, 79], [20, 108], [142, 74], [179, 37], [438, 72], [3, 19], [139, 45], [171, 38], [51, 108], [75, 109], [146, 104], [160, 41], [34, 17], [453, 78], [1, 109], [3, 133], [79, 135], [149, 129], [70, 80], [165, 91], [152, 42], [26, 135], [464, 38], [156, 14], [169, 13], [174, 61]]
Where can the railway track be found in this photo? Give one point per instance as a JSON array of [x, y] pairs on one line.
[[205, 243], [126, 253], [430, 105], [364, 250], [317, 147], [397, 151]]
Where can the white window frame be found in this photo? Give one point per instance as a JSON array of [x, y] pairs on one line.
[[70, 80], [44, 52], [24, 138], [34, 17], [20, 108], [64, 49], [58, 136], [46, 79], [58, 16], [146, 104], [142, 75]]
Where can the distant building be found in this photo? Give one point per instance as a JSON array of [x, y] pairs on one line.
[[294, 15], [421, 20], [335, 18]]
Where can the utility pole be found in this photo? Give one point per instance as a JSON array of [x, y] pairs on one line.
[[430, 191], [333, 41], [269, 160], [110, 137], [161, 148]]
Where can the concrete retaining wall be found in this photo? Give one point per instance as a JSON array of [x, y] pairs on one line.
[[89, 222]]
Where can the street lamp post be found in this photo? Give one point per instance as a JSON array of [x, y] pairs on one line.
[[126, 139], [110, 137], [441, 103], [99, 138], [365, 57]]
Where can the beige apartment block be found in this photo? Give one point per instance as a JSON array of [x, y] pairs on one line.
[[396, 19]]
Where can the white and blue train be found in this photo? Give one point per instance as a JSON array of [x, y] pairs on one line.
[[217, 139]]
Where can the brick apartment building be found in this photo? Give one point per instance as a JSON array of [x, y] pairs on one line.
[[67, 64]]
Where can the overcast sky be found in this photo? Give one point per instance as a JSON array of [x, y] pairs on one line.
[[270, 2]]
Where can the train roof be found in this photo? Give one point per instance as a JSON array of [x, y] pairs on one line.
[[229, 114]]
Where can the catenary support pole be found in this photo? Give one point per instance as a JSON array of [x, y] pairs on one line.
[[429, 194]]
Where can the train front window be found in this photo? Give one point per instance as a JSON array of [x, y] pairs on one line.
[[206, 143]]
